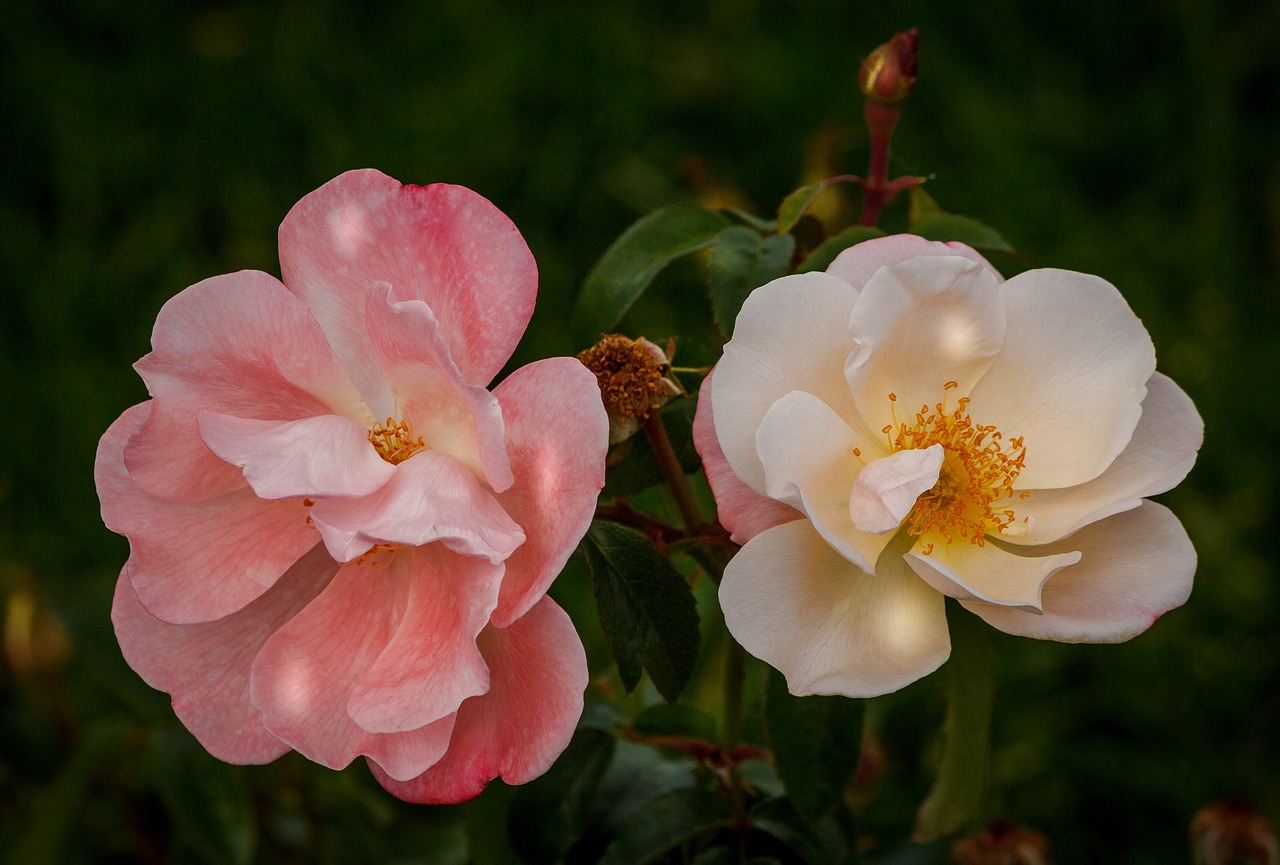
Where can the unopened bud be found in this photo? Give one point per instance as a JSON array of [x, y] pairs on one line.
[[633, 375], [890, 71], [1002, 843], [1231, 833]]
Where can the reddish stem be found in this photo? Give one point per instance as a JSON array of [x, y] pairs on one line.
[[876, 189]]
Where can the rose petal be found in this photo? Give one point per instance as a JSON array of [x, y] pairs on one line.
[[430, 497], [431, 664], [538, 672], [857, 264], [461, 419], [1070, 378], [742, 510], [240, 344], [195, 562], [809, 463], [918, 326], [441, 244], [887, 489], [791, 334], [316, 456], [304, 674], [1159, 455], [987, 573], [557, 434], [795, 603], [1134, 567], [206, 666]]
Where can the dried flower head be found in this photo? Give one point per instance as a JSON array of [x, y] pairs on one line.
[[633, 375]]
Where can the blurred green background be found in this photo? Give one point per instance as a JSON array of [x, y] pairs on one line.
[[147, 145]]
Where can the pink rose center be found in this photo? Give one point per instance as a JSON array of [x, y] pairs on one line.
[[394, 441]]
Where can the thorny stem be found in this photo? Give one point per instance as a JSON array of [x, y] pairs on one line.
[[673, 473]]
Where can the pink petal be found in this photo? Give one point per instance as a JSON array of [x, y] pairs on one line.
[[557, 434], [441, 244], [887, 489], [1134, 567], [797, 604], [461, 419], [430, 497], [238, 344], [305, 674], [857, 264], [431, 663], [538, 672], [200, 561], [742, 510], [316, 456], [206, 666]]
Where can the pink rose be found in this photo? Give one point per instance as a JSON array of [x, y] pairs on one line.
[[907, 427], [340, 540]]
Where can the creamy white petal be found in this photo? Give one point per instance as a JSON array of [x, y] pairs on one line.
[[794, 602], [1134, 567], [1159, 455], [887, 489], [1070, 378], [919, 325], [987, 573], [792, 334], [857, 264]]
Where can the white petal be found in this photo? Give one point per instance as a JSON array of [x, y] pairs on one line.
[[1070, 378], [972, 573], [919, 325], [795, 603], [791, 334], [857, 264], [1159, 455], [1134, 567], [887, 489], [807, 453]]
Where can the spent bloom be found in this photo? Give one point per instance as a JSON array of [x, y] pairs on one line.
[[907, 427], [340, 539]]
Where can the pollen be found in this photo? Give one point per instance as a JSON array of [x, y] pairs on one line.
[[975, 485], [394, 441]]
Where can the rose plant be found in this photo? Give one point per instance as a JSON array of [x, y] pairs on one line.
[[340, 539]]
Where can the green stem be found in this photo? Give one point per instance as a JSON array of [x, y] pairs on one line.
[[673, 473], [734, 677]]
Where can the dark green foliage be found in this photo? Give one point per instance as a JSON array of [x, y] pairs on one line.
[[741, 261]]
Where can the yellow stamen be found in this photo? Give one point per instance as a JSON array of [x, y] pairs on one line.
[[394, 442]]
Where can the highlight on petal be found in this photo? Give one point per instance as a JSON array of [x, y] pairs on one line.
[[743, 511], [538, 672], [795, 603], [557, 439], [441, 244], [463, 420], [1070, 378], [857, 264], [989, 574], [791, 334], [887, 489], [316, 456], [1134, 567], [1158, 456], [810, 457], [239, 344], [175, 547], [205, 667], [430, 497]]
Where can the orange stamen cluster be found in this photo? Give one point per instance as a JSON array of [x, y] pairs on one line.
[[394, 442], [975, 485]]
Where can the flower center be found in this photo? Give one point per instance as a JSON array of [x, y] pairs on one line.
[[975, 485], [394, 442]]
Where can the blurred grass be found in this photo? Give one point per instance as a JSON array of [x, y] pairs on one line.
[[149, 145]]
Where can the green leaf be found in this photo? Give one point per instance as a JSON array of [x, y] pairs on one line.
[[962, 778], [628, 267], [671, 720], [548, 815], [486, 845], [971, 232], [920, 204], [815, 845], [637, 468], [816, 742], [795, 204], [826, 252], [742, 260], [646, 608], [205, 799], [666, 822], [769, 226]]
